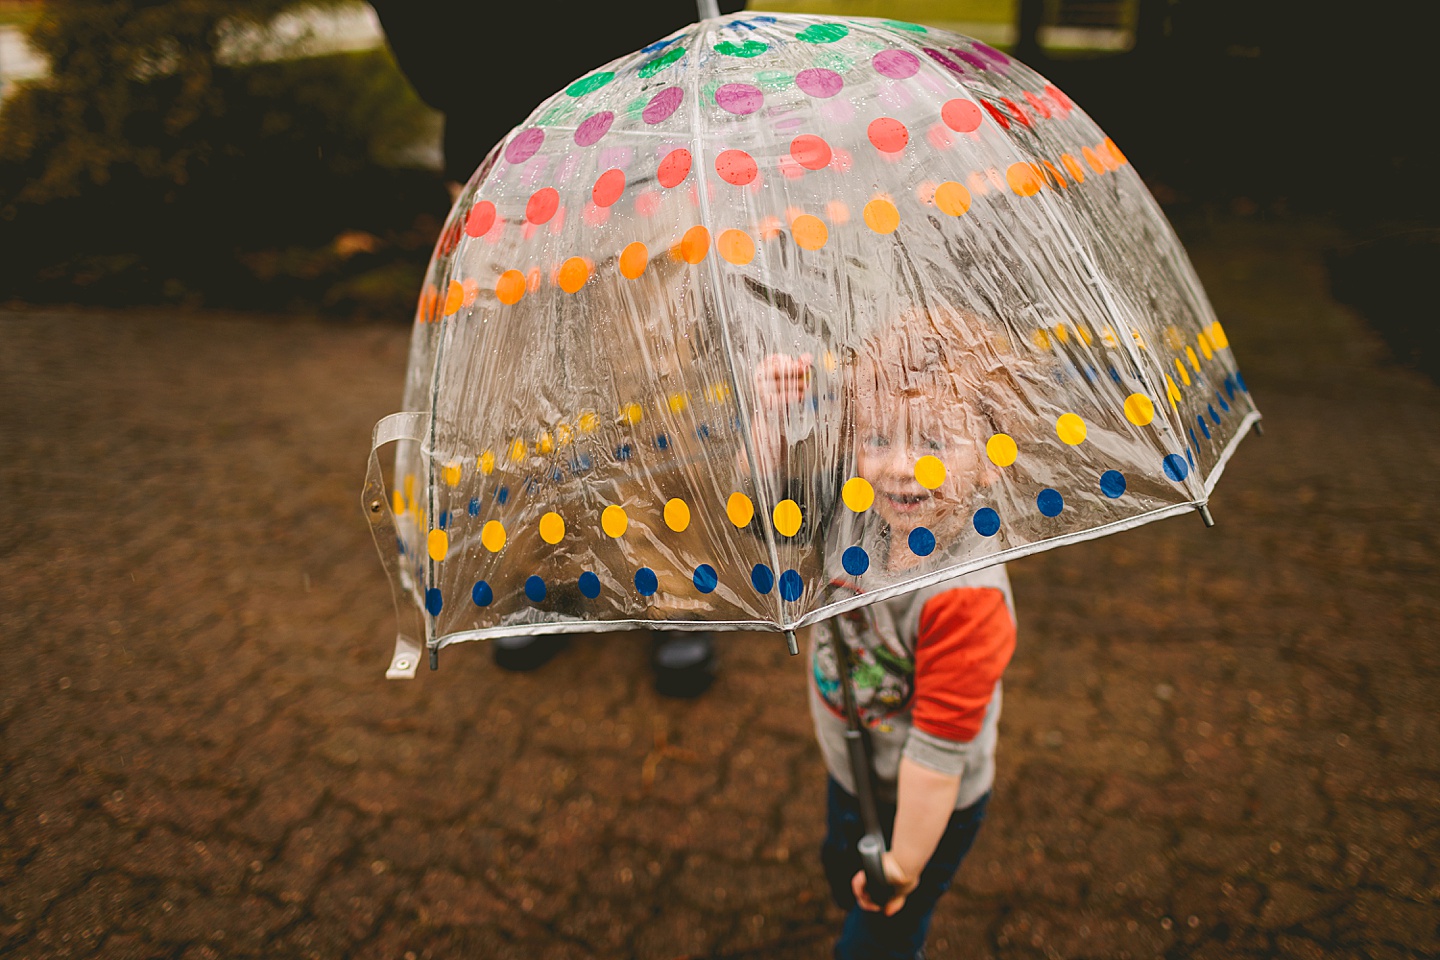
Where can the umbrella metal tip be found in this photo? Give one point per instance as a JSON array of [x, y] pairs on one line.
[[791, 643], [1205, 515]]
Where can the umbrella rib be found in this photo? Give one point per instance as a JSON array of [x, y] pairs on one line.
[[697, 149]]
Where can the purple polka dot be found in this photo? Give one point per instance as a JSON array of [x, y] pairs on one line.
[[663, 104], [985, 50], [896, 64], [789, 123], [739, 98], [524, 145], [944, 61], [593, 127], [970, 58], [819, 82]]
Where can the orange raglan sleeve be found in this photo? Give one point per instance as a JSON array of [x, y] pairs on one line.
[[967, 637]]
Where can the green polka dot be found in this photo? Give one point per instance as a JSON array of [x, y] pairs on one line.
[[750, 48], [589, 84], [834, 60], [707, 92], [902, 25], [559, 113], [823, 33], [773, 80], [661, 62], [635, 108]]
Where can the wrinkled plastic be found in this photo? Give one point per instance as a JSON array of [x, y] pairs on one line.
[[782, 315]]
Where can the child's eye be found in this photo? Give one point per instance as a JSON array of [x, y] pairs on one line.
[[932, 444], [877, 440]]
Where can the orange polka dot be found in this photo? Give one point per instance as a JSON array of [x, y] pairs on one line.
[[1092, 159], [471, 287], [633, 260], [735, 246], [810, 233], [573, 274], [454, 297], [1023, 179], [837, 211], [976, 183], [881, 216], [952, 198], [1055, 176], [695, 244], [510, 287], [1072, 166], [1114, 151], [769, 228]]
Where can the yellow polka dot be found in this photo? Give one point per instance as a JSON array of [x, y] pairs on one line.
[[397, 502], [614, 521], [1139, 340], [695, 244], [632, 413], [409, 486], [454, 297], [1194, 360], [1070, 428], [858, 494], [1084, 334], [930, 472], [492, 536], [633, 260], [450, 473], [552, 527], [736, 247], [787, 517], [564, 433], [1001, 450], [677, 514], [545, 443], [952, 198], [1217, 336], [1205, 350], [1061, 333], [588, 421], [1041, 338], [1184, 374], [1172, 392], [829, 362], [677, 402], [486, 462], [881, 216], [739, 509], [517, 450], [1139, 409], [510, 287], [810, 232], [437, 545], [573, 274]]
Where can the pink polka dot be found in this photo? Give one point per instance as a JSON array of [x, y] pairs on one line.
[[480, 219], [674, 168], [524, 145], [789, 169], [647, 203], [896, 64], [819, 82], [608, 187], [543, 204], [593, 127], [739, 98], [662, 105], [940, 136], [842, 161], [595, 216], [810, 151], [888, 135], [962, 116], [736, 166], [1038, 104], [1015, 110]]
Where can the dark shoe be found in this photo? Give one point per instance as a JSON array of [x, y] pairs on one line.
[[526, 653], [684, 663]]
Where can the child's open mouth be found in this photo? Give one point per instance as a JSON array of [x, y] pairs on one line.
[[906, 502]]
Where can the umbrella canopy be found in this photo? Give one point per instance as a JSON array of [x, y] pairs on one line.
[[782, 315]]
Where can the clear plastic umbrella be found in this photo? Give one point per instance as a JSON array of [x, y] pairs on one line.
[[783, 315]]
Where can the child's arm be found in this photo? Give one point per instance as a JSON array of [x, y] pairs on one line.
[[781, 381], [925, 801]]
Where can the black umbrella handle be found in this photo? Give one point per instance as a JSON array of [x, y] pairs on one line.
[[872, 858], [872, 844]]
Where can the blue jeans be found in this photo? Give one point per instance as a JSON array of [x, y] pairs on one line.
[[873, 936]]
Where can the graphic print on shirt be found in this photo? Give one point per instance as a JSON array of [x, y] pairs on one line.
[[882, 669]]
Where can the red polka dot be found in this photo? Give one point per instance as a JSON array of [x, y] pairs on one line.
[[1037, 104], [996, 113], [736, 166], [1014, 108], [888, 135], [962, 116], [1062, 101], [481, 219], [810, 151], [542, 206], [674, 168], [608, 187]]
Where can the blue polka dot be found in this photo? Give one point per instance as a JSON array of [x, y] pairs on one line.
[[1114, 374], [1223, 405], [1230, 386], [922, 542], [1050, 502], [444, 522], [761, 578], [855, 561], [705, 578], [1112, 484], [1203, 429], [474, 508], [433, 601], [662, 442], [589, 584], [791, 586], [703, 431], [556, 476], [1210, 408], [482, 594], [1176, 468], [502, 495], [581, 464], [531, 484], [987, 522], [400, 547], [1193, 441], [646, 582], [1190, 458], [1240, 381], [622, 452], [658, 45], [535, 589]]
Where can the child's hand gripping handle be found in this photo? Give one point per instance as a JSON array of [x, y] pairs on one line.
[[872, 858]]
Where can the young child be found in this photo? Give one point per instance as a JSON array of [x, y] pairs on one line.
[[926, 665]]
